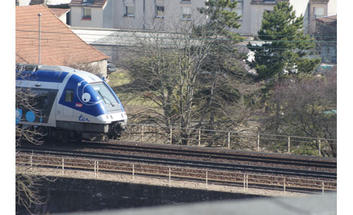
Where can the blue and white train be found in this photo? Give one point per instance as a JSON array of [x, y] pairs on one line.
[[68, 103]]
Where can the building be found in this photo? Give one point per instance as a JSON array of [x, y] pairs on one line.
[[326, 35], [46, 2], [313, 9], [54, 43], [90, 13], [59, 7], [61, 13], [159, 15], [251, 12]]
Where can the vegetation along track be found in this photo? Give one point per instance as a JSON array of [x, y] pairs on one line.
[[226, 160]]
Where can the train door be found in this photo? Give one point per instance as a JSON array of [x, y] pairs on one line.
[[64, 112]]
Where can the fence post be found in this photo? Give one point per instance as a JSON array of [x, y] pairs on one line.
[[247, 181], [169, 177], [323, 187], [199, 137], [258, 141], [284, 184], [171, 135], [206, 178], [288, 144], [31, 160], [142, 133], [63, 165], [319, 147], [133, 171], [95, 169], [228, 140]]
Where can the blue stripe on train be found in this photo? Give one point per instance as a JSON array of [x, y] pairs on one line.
[[42, 75]]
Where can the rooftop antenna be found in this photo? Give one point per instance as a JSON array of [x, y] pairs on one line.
[[39, 15]]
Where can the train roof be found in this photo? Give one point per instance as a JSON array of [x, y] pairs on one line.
[[57, 74]]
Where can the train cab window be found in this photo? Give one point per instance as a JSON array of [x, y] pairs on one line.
[[69, 96]]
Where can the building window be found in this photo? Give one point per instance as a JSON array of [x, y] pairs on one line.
[[319, 12], [186, 1], [270, 2], [87, 1], [129, 7], [86, 13], [186, 13], [159, 8]]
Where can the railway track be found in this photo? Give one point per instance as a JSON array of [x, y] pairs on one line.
[[234, 161], [230, 155]]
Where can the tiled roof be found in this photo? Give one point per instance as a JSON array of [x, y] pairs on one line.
[[88, 3], [59, 45], [59, 11]]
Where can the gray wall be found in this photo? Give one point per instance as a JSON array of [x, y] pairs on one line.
[[144, 18], [96, 20]]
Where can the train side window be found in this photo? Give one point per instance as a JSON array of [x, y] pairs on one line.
[[69, 96]]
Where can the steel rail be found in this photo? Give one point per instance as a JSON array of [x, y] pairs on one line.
[[185, 163], [256, 157]]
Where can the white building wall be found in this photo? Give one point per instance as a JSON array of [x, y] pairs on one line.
[[332, 7], [145, 15], [96, 18], [101, 67], [108, 15], [252, 17], [63, 18], [23, 2], [112, 15]]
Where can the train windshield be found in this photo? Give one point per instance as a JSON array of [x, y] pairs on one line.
[[107, 96]]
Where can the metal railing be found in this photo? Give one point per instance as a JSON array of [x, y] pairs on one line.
[[260, 142], [228, 178]]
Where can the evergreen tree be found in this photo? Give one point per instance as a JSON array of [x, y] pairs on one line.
[[220, 101], [285, 49], [221, 18]]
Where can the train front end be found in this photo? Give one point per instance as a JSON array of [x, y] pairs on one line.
[[115, 114], [89, 106]]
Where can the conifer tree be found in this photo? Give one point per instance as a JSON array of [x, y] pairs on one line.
[[285, 49]]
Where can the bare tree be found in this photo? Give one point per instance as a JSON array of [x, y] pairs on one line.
[[25, 100], [308, 108], [166, 73], [27, 192], [27, 185], [191, 77]]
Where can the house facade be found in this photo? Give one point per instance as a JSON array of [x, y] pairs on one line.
[[160, 15], [251, 12], [326, 35], [169, 15], [89, 13]]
